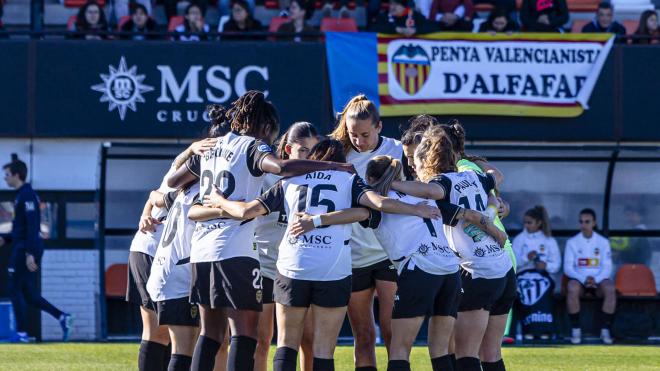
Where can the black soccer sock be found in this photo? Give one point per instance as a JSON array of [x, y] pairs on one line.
[[607, 320], [285, 359], [452, 356], [398, 365], [575, 319], [167, 356], [203, 358], [468, 364], [443, 363], [493, 366], [241, 353], [323, 364], [151, 356], [179, 362], [366, 368]]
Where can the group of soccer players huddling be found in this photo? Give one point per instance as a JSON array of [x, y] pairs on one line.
[[247, 229]]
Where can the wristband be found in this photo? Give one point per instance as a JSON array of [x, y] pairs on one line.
[[316, 220]]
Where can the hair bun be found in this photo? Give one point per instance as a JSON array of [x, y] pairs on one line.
[[216, 112], [14, 157]]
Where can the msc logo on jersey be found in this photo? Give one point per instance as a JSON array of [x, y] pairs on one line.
[[412, 67], [122, 88]]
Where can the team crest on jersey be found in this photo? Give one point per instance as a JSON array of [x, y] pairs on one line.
[[541, 248], [411, 66], [122, 88], [596, 251], [194, 311], [259, 296], [479, 252]]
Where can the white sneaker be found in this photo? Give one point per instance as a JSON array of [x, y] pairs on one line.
[[576, 336], [605, 336], [529, 337]]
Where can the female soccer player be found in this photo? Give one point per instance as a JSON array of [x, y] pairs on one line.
[[428, 269], [294, 144], [359, 131], [487, 274], [314, 269], [535, 247], [226, 275]]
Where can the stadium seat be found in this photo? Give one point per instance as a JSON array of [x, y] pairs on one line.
[[631, 26], [578, 24], [116, 277], [79, 3], [122, 21], [71, 23], [276, 22], [583, 5], [635, 280], [175, 22], [338, 25], [271, 4]]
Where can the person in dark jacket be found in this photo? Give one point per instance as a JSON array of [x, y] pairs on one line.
[[647, 32], [604, 21], [452, 15], [241, 21], [543, 15], [139, 24], [26, 253], [300, 11], [402, 20], [499, 22], [91, 23]]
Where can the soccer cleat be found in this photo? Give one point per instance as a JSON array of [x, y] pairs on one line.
[[576, 336], [66, 322], [19, 337], [605, 336]]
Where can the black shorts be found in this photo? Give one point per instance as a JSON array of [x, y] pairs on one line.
[[177, 312], [423, 294], [494, 295], [230, 283], [365, 278], [267, 287], [302, 293], [139, 268]]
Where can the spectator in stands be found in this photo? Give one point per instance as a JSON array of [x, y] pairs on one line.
[[543, 15], [402, 20], [139, 24], [647, 32], [499, 22], [123, 8], [329, 5], [300, 11], [171, 6], [241, 21], [225, 7], [193, 28], [604, 21], [535, 248], [588, 266], [91, 23], [452, 15]]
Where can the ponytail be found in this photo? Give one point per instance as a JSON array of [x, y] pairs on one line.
[[436, 153], [219, 124], [358, 108], [539, 213], [385, 170], [295, 133]]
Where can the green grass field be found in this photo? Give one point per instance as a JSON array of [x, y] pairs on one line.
[[115, 357]]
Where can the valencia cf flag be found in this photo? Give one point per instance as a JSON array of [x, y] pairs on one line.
[[411, 66]]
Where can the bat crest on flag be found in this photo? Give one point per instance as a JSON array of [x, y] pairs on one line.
[[411, 66]]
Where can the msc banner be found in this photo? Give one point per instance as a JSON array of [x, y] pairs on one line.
[[549, 75]]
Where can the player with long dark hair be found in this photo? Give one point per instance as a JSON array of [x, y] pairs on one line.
[[315, 269], [225, 265]]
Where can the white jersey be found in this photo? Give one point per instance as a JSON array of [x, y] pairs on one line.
[[546, 249], [322, 254], [234, 167], [584, 257], [365, 248], [171, 272], [147, 243], [480, 253], [421, 242], [268, 234]]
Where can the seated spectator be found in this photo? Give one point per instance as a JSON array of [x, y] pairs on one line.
[[543, 15], [329, 5], [300, 11], [498, 21], [452, 15], [604, 21], [91, 23], [194, 23], [225, 7], [647, 31], [402, 20], [139, 24], [125, 7], [535, 248], [241, 21], [171, 6], [588, 266]]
